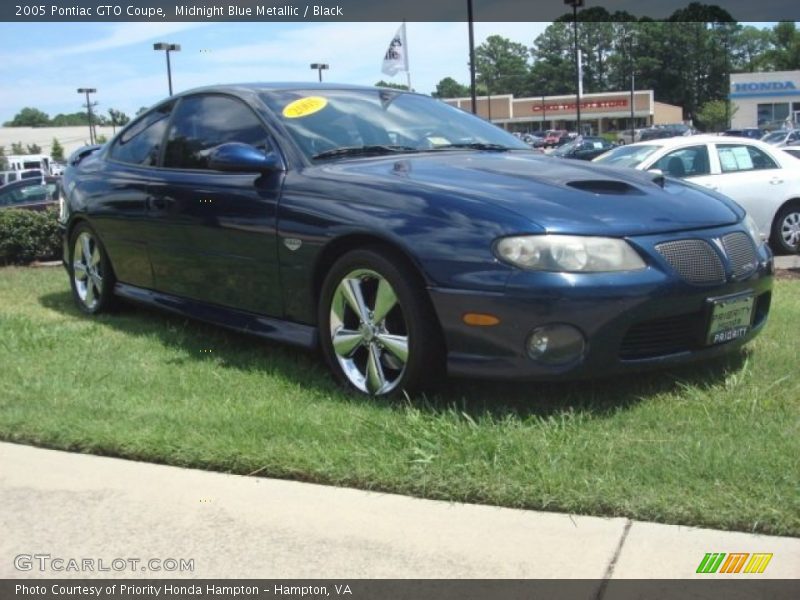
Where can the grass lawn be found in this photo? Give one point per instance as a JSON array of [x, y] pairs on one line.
[[715, 446]]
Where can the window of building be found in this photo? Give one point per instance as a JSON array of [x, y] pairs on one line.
[[768, 113]]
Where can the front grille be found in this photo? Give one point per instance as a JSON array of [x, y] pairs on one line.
[[694, 260], [659, 337], [742, 253]]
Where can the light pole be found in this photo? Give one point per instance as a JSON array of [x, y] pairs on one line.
[[575, 4], [544, 114], [320, 67], [472, 92], [633, 90], [169, 48], [88, 91]]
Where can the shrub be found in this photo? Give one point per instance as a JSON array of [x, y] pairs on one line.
[[28, 235]]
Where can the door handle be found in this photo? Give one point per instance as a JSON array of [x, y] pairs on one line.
[[776, 181], [711, 186]]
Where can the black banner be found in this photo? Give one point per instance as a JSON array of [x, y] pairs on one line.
[[372, 10], [400, 589]]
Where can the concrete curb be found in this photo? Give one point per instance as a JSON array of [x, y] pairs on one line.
[[75, 505]]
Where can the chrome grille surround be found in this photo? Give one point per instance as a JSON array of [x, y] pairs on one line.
[[741, 252], [694, 260]]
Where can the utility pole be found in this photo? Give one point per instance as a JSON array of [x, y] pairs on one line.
[[472, 92], [575, 5], [89, 105]]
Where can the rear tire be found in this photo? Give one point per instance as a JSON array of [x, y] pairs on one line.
[[90, 273], [785, 238], [378, 331]]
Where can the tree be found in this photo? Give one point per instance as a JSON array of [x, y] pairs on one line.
[[553, 70], [70, 120], [785, 52], [56, 150], [29, 117], [101, 139], [117, 117], [394, 86], [450, 88], [714, 115], [17, 148], [33, 149], [749, 46], [502, 65]]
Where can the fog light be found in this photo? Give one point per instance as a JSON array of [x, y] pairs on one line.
[[556, 344]]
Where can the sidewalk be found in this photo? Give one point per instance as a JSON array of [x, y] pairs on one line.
[[787, 262], [81, 506]]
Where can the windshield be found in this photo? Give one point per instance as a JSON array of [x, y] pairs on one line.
[[627, 156], [775, 136], [376, 121]]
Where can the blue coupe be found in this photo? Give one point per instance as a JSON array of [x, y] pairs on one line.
[[407, 239]]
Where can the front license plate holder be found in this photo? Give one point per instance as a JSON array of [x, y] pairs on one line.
[[730, 318]]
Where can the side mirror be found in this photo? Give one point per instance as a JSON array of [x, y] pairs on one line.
[[242, 158], [656, 172]]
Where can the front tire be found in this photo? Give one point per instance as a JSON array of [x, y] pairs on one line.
[[378, 331], [91, 276], [786, 230]]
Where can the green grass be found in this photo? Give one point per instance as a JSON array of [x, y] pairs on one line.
[[716, 445]]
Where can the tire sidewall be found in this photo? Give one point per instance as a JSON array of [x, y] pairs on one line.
[[777, 239]]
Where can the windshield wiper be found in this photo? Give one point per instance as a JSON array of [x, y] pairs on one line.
[[363, 151], [474, 146]]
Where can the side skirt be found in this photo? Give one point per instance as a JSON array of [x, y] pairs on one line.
[[259, 325]]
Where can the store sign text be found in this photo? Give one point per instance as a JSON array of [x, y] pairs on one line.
[[565, 106], [764, 86]]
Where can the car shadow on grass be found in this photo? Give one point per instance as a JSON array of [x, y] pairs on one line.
[[204, 342]]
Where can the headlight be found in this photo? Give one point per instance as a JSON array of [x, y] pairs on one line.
[[753, 230], [568, 253]]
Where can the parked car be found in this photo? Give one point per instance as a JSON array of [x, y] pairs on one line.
[[624, 136], [792, 151], [556, 137], [284, 211], [761, 178], [28, 194], [535, 139], [782, 137], [749, 132], [584, 148]]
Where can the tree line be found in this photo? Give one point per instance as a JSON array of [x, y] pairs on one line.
[[33, 117], [686, 59]]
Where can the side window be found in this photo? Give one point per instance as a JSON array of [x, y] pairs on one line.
[[686, 162], [140, 144], [202, 123], [733, 158]]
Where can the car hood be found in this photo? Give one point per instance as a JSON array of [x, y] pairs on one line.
[[558, 195]]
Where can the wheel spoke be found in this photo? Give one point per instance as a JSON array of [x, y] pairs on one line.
[[345, 341], [397, 345], [95, 256], [96, 279], [87, 251], [89, 300], [385, 300], [375, 377], [351, 290], [80, 270]]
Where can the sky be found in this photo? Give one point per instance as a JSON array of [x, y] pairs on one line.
[[43, 64]]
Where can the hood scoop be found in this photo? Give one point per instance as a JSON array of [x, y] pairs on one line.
[[605, 186]]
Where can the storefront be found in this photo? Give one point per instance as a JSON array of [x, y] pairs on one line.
[[769, 100], [599, 112]]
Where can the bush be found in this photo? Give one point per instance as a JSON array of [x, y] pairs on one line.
[[28, 235]]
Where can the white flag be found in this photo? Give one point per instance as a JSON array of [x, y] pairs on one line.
[[396, 58]]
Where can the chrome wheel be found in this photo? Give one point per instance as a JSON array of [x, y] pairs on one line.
[[790, 230], [87, 270], [369, 333]]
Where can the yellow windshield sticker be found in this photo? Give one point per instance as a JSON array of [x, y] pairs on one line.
[[304, 107]]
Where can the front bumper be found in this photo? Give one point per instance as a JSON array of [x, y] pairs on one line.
[[616, 312]]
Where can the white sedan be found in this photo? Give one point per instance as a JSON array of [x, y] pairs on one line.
[[763, 179]]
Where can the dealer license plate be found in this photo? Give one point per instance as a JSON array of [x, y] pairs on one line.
[[730, 319]]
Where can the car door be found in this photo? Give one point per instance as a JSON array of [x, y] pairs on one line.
[[213, 234], [119, 188], [752, 178]]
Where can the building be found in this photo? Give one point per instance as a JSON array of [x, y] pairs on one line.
[[769, 100], [608, 111], [70, 138]]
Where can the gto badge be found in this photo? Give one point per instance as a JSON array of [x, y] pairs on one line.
[[292, 243]]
